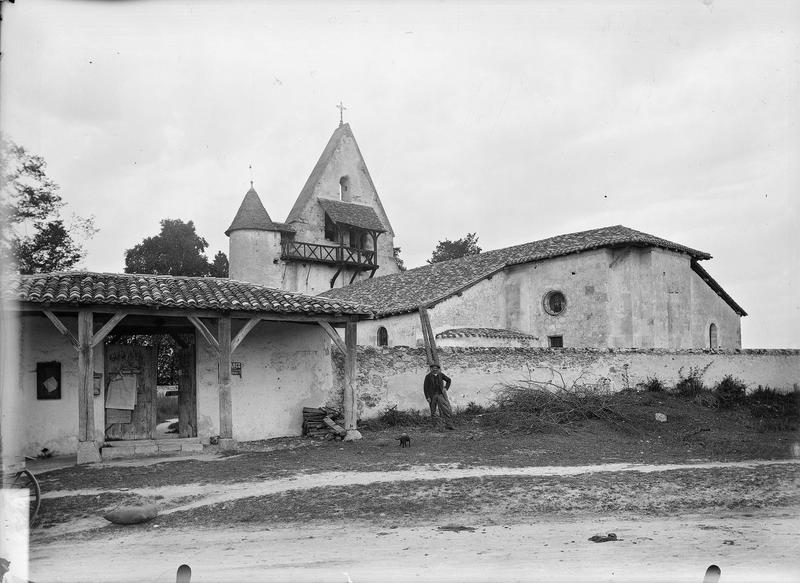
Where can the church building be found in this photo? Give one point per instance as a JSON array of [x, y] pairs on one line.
[[613, 287], [336, 234]]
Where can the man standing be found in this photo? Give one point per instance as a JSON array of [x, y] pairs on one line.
[[435, 386]]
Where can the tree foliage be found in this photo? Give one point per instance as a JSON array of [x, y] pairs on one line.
[[37, 238], [219, 267], [447, 249], [176, 250]]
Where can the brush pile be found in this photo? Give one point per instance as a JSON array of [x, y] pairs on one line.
[[323, 423]]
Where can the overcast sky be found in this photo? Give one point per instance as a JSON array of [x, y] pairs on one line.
[[514, 120]]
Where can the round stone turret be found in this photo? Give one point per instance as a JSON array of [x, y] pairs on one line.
[[255, 244]]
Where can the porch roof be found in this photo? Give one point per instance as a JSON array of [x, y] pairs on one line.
[[178, 292]]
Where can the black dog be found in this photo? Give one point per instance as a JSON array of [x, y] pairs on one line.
[[405, 440]]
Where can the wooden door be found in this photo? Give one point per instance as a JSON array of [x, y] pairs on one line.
[[187, 392], [127, 366]]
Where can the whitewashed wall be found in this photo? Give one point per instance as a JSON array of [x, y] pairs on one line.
[[285, 367], [52, 423]]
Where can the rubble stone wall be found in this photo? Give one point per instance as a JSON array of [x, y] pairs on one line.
[[392, 376]]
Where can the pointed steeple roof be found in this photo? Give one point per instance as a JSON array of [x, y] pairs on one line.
[[308, 189], [251, 215]]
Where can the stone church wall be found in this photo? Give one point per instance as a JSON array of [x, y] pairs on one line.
[[622, 298], [393, 376]]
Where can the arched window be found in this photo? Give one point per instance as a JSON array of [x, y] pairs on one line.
[[713, 343], [383, 337], [344, 186]]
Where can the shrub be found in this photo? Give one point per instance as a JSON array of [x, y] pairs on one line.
[[652, 384], [730, 392], [473, 408], [391, 417], [691, 384], [542, 406]]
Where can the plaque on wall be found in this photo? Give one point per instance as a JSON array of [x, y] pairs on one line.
[[48, 380]]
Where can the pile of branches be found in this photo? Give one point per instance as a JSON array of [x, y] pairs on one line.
[[553, 404]]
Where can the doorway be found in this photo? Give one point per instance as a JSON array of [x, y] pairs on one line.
[[150, 386]]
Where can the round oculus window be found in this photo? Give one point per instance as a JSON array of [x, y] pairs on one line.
[[554, 303]]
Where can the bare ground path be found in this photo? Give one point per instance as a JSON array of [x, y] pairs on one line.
[[752, 548], [173, 498]]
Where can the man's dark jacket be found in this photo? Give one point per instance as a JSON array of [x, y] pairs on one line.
[[433, 384]]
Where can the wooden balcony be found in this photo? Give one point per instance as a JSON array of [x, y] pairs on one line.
[[330, 254]]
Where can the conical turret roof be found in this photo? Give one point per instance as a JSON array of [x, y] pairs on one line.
[[251, 215]]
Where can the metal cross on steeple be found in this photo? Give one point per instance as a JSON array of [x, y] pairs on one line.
[[341, 109]]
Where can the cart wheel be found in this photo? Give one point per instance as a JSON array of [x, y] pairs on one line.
[[25, 479]]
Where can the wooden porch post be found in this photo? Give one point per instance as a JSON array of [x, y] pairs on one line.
[[225, 404], [350, 384], [87, 447]]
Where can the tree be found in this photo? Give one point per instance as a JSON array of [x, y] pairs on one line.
[[400, 265], [36, 237], [177, 250], [219, 267], [447, 249]]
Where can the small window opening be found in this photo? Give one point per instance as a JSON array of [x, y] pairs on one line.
[[330, 229], [554, 303], [555, 341], [712, 337], [344, 187], [383, 337]]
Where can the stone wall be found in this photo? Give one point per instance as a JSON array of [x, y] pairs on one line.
[[392, 376]]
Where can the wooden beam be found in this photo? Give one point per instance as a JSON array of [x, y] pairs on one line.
[[350, 372], [62, 328], [224, 375], [428, 337], [334, 335], [249, 325], [205, 332], [177, 313], [85, 376], [101, 334]]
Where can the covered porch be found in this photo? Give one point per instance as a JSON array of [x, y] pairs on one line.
[[258, 356]]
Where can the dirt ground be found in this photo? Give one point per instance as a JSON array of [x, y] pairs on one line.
[[471, 504]]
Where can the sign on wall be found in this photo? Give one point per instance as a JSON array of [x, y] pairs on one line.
[[48, 380], [236, 369]]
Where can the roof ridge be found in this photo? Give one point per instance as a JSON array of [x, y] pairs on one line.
[[316, 173], [435, 282]]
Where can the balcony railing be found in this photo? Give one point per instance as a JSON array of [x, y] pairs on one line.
[[331, 254]]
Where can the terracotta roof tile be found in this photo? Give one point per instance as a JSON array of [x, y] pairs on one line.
[[485, 333], [348, 213], [161, 291], [405, 291]]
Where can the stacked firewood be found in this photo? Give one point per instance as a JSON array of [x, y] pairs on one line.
[[323, 423]]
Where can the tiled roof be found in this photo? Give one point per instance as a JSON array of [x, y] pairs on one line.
[[427, 285], [355, 215], [617, 236], [485, 333], [166, 291], [251, 215], [283, 227]]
